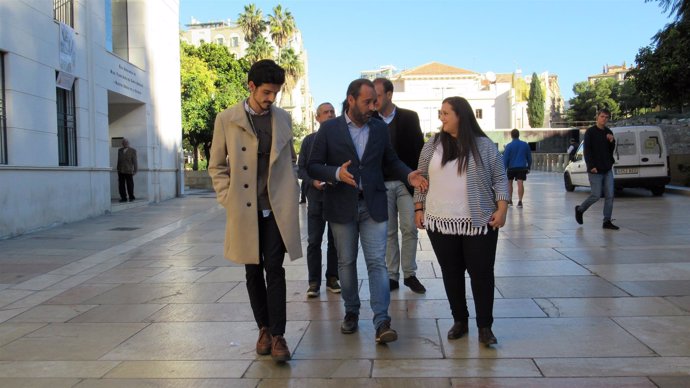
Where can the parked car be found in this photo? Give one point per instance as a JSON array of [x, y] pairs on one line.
[[641, 160]]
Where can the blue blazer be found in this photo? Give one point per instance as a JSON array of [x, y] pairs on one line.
[[332, 147]]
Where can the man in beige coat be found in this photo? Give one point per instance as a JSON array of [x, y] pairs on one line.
[[252, 166]]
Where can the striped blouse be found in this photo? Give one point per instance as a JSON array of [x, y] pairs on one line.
[[486, 183]]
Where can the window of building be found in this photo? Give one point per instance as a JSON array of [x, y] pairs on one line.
[[235, 41], [3, 122], [478, 113], [220, 40], [116, 28], [67, 127], [63, 11]]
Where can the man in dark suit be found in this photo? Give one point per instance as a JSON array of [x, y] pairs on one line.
[[350, 152], [126, 169], [407, 141], [315, 222]]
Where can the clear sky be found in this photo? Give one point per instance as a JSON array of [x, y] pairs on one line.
[[570, 38]]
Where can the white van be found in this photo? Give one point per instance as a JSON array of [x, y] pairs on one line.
[[641, 160]]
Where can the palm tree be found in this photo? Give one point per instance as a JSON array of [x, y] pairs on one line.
[[281, 26], [681, 8], [294, 70], [259, 49], [252, 23]]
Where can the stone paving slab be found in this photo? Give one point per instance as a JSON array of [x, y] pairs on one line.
[[90, 304]]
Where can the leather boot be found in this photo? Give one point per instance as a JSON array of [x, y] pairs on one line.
[[279, 350], [458, 330], [263, 344]]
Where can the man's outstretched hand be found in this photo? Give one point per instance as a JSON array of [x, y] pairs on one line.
[[416, 179]]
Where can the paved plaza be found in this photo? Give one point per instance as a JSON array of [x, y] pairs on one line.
[[143, 298]]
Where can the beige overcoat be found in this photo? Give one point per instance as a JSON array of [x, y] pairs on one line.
[[233, 169]]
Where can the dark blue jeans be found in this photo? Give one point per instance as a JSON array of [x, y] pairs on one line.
[[315, 228]]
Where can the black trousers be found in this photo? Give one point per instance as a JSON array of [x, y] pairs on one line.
[[315, 228], [267, 297], [125, 179], [477, 255]]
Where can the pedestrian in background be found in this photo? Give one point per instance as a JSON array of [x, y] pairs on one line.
[[598, 150], [126, 169], [407, 141], [315, 222], [517, 157]]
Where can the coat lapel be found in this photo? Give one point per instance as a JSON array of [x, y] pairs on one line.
[[279, 137]]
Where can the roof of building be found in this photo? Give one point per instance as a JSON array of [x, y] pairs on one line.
[[435, 68]]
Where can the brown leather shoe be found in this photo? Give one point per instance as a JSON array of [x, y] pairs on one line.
[[279, 350], [263, 344], [458, 330]]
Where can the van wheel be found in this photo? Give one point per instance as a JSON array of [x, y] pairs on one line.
[[568, 183], [658, 191]]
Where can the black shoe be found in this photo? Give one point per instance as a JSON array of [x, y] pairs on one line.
[[510, 202], [486, 336], [313, 290], [393, 284], [332, 285], [519, 205], [385, 334], [414, 284], [609, 225], [578, 215], [349, 324], [458, 330], [123, 200]]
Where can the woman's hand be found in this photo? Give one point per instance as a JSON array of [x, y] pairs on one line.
[[498, 219], [419, 219]]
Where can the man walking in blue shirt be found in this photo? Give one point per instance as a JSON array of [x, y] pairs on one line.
[[517, 158]]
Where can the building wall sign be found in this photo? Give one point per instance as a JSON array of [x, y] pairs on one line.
[[127, 80]]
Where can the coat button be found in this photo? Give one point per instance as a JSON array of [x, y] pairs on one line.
[[246, 186], [245, 167], [249, 204], [244, 148]]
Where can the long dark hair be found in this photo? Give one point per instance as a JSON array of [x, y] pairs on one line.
[[466, 141]]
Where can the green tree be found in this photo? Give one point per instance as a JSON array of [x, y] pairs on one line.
[[294, 70], [535, 103], [201, 103], [662, 70], [259, 49], [252, 23], [281, 27], [197, 85], [590, 97], [630, 99]]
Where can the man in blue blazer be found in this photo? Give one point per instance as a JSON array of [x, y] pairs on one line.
[[350, 152]]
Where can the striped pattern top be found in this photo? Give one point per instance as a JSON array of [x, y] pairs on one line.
[[487, 182]]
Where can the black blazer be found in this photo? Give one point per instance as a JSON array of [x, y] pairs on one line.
[[332, 147], [313, 194], [406, 137]]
